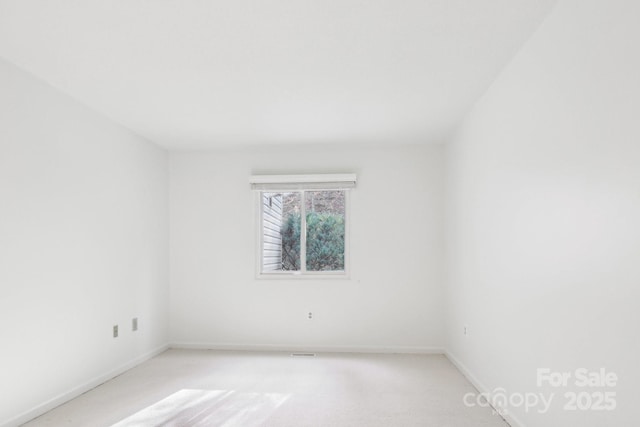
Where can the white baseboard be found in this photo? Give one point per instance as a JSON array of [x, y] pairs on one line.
[[308, 348], [473, 379], [80, 389]]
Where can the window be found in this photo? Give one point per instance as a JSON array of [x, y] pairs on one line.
[[303, 224]]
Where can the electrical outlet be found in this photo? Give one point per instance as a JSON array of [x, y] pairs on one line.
[[134, 324], [115, 331], [310, 315], [466, 330]]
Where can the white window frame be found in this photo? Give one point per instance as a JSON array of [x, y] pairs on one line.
[[301, 184]]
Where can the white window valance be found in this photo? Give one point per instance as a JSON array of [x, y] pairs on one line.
[[303, 182]]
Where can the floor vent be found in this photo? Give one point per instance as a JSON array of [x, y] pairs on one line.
[[303, 354]]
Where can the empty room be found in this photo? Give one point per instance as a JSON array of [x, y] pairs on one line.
[[319, 213]]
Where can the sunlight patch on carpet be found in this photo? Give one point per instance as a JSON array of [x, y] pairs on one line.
[[207, 408]]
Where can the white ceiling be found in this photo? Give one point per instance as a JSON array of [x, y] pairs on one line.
[[212, 73]]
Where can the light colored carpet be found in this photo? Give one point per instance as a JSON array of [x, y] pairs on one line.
[[225, 388]]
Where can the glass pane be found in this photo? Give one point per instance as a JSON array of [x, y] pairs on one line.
[[325, 230], [280, 232]]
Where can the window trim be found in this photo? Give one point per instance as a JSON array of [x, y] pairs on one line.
[[284, 183]]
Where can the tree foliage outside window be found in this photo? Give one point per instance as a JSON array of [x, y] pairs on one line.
[[291, 242], [325, 242]]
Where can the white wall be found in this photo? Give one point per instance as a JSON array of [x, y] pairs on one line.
[[392, 300], [83, 246], [543, 214]]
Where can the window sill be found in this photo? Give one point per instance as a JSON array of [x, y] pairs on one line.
[[307, 276]]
